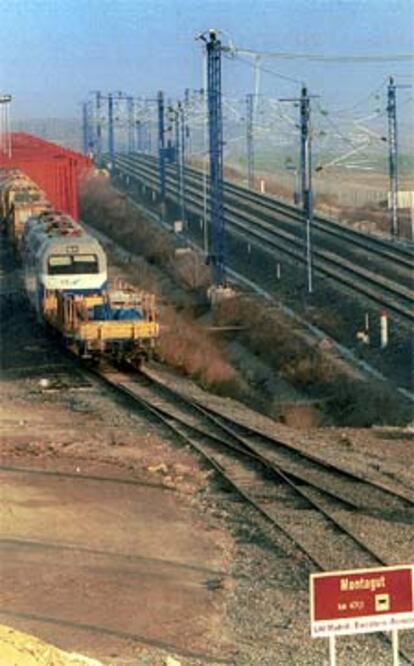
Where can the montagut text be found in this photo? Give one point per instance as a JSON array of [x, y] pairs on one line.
[[362, 583]]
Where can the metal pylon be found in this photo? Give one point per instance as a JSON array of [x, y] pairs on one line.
[[215, 123], [393, 156], [111, 143], [131, 127], [250, 139], [161, 150], [85, 128]]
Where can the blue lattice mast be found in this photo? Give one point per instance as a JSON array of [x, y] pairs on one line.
[[250, 140], [306, 178], [111, 143], [306, 175], [215, 126], [161, 151], [131, 124], [138, 142], [186, 130], [181, 155], [97, 125], [393, 156], [85, 128]]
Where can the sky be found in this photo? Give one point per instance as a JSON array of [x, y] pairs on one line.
[[54, 52]]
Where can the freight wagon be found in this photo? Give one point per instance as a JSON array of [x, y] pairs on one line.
[[20, 198], [65, 276]]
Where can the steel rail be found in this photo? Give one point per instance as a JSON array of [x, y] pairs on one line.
[[178, 426], [312, 461], [242, 445], [331, 523], [352, 276], [401, 253]]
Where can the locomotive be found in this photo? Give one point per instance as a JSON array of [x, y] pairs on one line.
[[66, 280]]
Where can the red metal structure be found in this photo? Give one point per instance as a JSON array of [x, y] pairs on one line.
[[55, 169]]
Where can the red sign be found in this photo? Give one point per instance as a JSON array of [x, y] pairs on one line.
[[362, 600]]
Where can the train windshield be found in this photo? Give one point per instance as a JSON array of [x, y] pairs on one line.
[[22, 197], [70, 264], [26, 197]]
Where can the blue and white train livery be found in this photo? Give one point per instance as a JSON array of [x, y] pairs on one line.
[[58, 255]]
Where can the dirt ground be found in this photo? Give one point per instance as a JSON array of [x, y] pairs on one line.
[[103, 549], [118, 543], [110, 546]]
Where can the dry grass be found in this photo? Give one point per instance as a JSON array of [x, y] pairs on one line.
[[191, 272], [110, 212], [183, 344], [273, 338], [188, 347]]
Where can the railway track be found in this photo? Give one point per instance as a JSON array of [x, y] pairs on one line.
[[328, 512], [401, 252], [315, 504], [392, 290]]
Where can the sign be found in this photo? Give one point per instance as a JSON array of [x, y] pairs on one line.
[[362, 601]]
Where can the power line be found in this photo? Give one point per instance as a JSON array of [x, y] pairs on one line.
[[277, 75], [364, 99], [335, 126], [319, 57]]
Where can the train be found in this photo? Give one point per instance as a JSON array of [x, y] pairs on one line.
[[66, 281]]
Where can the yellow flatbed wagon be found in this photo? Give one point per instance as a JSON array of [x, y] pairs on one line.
[[119, 320]]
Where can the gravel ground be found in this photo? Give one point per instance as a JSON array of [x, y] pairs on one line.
[[269, 604], [264, 611]]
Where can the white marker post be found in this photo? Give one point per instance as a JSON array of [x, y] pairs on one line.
[[383, 330], [395, 648], [332, 651]]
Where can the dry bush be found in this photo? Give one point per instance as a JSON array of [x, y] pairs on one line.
[[328, 320], [363, 404], [308, 369], [110, 212], [349, 401], [137, 272], [300, 417], [188, 347], [183, 344], [192, 272], [265, 332]]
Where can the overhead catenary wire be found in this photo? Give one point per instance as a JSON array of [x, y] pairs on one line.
[[320, 57], [271, 72], [339, 132], [363, 100]]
